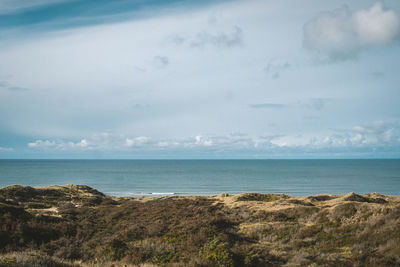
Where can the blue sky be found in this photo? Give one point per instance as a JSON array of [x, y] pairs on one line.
[[199, 79]]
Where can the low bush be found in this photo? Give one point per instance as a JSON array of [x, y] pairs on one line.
[[77, 223]]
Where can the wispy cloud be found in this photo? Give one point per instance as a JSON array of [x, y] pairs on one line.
[[377, 74], [319, 103], [227, 39], [18, 89], [161, 61], [9, 87], [313, 103], [275, 68], [267, 105]]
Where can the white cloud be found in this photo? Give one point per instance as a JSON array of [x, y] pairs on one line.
[[208, 143], [339, 140], [375, 26], [342, 33], [373, 134], [204, 142], [42, 144], [6, 149], [129, 142], [162, 144], [198, 139], [111, 142], [370, 128], [387, 135], [366, 137], [59, 145], [280, 143], [82, 144]]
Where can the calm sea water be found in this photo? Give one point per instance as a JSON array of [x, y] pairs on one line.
[[209, 177]]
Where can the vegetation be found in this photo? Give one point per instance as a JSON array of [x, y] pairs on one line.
[[79, 226]]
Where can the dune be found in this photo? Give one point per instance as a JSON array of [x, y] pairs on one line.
[[75, 225]]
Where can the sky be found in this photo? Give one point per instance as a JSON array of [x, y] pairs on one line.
[[186, 79]]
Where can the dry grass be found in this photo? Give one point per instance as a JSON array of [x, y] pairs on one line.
[[79, 224]]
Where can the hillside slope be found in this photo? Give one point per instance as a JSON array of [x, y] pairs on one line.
[[75, 225]]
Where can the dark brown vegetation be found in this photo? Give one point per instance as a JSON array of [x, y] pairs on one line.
[[79, 226]]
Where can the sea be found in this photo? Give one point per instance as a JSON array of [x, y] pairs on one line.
[[209, 177]]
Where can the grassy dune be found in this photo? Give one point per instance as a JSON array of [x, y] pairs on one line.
[[79, 226]]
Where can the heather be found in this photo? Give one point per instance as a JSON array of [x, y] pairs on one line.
[[76, 225]]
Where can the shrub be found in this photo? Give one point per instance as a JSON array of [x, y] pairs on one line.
[[218, 253], [32, 259], [115, 249]]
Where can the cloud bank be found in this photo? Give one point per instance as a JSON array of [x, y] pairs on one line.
[[60, 145], [366, 138], [342, 33]]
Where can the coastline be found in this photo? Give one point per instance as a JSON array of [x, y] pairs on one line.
[[210, 177], [82, 226]]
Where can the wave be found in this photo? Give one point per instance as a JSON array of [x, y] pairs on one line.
[[161, 193], [138, 194], [132, 194]]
